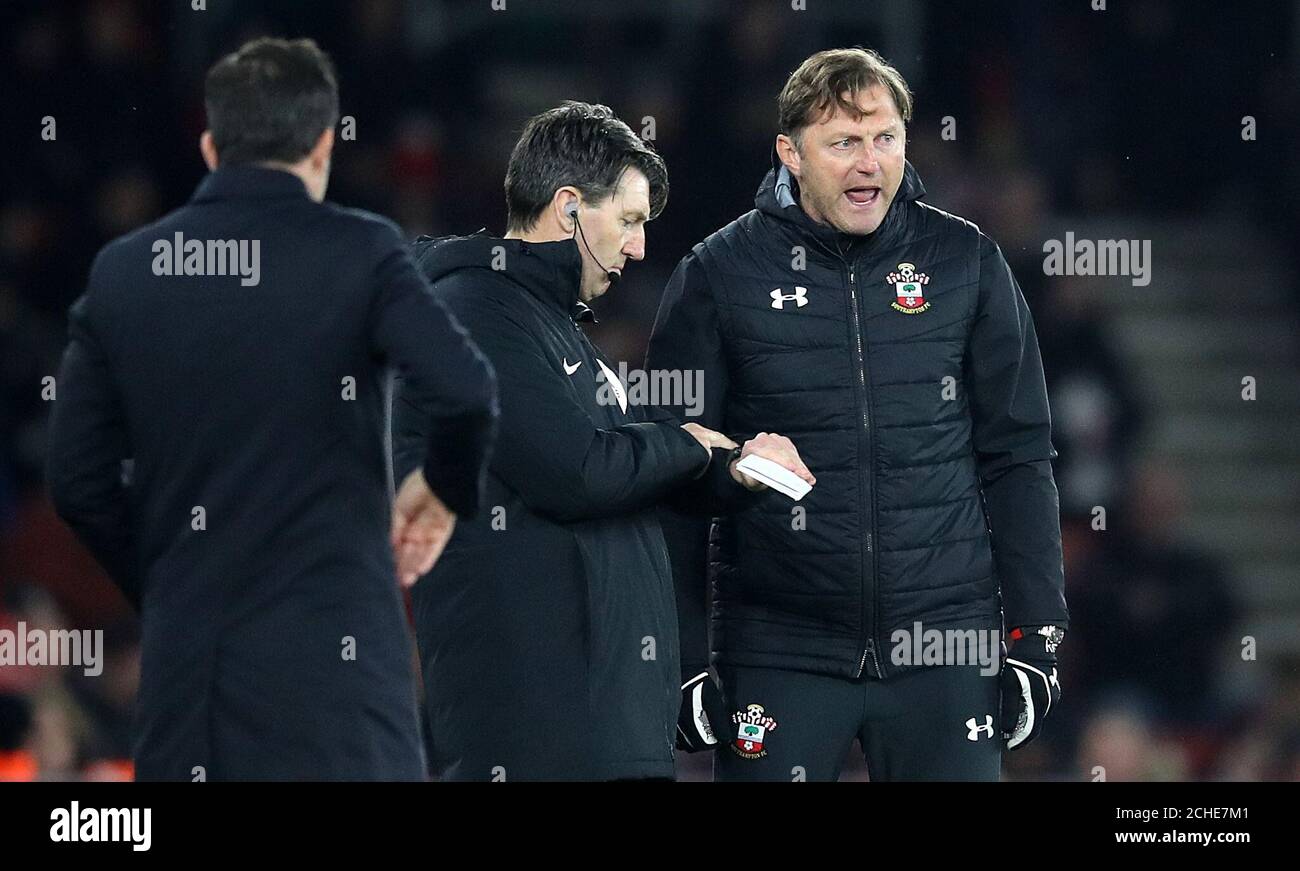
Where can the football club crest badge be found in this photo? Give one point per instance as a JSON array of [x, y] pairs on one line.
[[753, 724], [909, 289]]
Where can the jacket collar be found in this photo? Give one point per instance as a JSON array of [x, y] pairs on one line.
[[247, 181], [550, 271], [778, 196]]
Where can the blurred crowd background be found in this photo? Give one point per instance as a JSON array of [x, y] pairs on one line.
[[1183, 658]]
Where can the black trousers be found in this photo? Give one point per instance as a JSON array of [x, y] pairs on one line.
[[934, 723]]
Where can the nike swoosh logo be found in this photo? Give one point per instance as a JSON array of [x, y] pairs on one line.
[[569, 370]]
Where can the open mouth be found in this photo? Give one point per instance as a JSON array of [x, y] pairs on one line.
[[863, 197]]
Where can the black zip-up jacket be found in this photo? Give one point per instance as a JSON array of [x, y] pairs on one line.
[[905, 367], [548, 630]]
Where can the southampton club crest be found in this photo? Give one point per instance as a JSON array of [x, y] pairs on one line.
[[753, 725], [909, 286]]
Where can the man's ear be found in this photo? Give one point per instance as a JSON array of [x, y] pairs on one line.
[[208, 148], [320, 152], [562, 203], [789, 153]]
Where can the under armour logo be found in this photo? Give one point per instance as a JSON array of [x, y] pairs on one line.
[[974, 731], [1053, 681], [800, 297]]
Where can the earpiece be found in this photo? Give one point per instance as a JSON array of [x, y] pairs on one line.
[[571, 210]]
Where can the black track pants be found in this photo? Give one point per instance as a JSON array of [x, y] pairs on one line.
[[935, 723]]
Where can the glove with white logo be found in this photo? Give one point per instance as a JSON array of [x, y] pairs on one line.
[[1030, 688], [702, 707]]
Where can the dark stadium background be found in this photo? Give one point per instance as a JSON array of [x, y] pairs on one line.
[[1117, 124]]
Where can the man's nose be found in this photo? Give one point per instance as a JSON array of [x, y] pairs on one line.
[[635, 247], [867, 163]]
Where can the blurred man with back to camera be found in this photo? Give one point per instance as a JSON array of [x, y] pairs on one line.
[[234, 352], [889, 339], [548, 631]]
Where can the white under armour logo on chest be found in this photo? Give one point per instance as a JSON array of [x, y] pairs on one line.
[[799, 298]]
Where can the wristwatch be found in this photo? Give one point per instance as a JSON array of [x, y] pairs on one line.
[[1052, 636]]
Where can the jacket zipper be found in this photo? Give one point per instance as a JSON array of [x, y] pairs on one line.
[[869, 616]]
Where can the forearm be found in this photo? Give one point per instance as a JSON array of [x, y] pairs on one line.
[[716, 491], [622, 470], [1024, 520], [92, 501]]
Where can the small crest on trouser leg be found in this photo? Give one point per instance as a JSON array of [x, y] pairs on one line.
[[753, 724]]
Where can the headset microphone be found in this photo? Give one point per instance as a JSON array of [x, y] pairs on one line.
[[572, 211]]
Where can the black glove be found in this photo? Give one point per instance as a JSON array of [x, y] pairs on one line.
[[1030, 689], [702, 707]]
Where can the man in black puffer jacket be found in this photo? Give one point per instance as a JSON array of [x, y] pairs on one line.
[[547, 630], [891, 342]]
